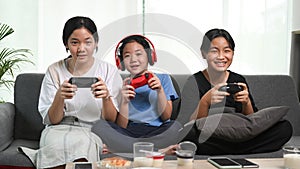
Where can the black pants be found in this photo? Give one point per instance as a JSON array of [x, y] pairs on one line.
[[270, 140], [121, 140], [141, 130]]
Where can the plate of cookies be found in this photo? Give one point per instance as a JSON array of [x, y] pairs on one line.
[[114, 163]]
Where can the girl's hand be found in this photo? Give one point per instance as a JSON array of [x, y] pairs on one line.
[[100, 89], [154, 82], [170, 150], [214, 96], [242, 96], [127, 90], [67, 90]]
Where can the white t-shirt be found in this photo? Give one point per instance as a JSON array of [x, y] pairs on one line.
[[83, 105]]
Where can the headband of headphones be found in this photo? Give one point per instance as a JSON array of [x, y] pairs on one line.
[[152, 58]]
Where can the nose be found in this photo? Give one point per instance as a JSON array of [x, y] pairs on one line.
[[221, 55], [133, 58], [80, 47]]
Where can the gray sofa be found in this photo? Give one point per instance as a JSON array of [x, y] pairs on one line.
[[21, 124]]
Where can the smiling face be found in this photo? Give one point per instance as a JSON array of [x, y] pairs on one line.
[[82, 45], [135, 58], [219, 56]]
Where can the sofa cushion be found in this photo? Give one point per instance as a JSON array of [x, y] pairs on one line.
[[7, 122], [238, 127], [12, 157], [294, 141], [28, 121]]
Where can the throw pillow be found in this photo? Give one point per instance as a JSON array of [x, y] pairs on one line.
[[238, 127]]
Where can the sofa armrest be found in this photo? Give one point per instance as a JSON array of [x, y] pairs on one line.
[[7, 114]]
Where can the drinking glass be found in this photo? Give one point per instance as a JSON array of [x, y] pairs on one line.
[[142, 154], [185, 153], [291, 156]]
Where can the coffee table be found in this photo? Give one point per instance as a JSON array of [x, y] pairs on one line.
[[267, 163], [264, 163]]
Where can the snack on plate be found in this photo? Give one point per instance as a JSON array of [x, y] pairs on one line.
[[115, 162]]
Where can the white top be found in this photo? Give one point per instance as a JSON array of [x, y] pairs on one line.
[[83, 105]]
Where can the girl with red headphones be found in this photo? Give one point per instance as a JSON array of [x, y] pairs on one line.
[[146, 104]]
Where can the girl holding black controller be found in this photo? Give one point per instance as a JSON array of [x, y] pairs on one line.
[[67, 109], [218, 50]]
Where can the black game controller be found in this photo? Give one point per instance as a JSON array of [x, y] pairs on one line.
[[83, 82], [140, 80], [231, 88]]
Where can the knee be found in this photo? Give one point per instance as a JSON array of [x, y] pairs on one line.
[[286, 128], [283, 130]]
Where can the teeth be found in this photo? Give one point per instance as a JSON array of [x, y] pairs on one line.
[[220, 63]]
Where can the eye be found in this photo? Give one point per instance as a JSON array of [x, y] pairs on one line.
[[126, 56], [74, 42], [139, 54], [213, 50], [89, 42], [228, 50]]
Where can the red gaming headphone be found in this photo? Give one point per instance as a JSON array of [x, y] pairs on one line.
[[152, 58]]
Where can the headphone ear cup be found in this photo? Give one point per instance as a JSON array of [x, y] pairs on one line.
[[151, 57], [154, 57], [120, 64]]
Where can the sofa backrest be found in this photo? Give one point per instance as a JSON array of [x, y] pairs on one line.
[[28, 121], [267, 90], [276, 90]]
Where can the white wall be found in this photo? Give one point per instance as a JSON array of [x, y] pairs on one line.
[[261, 29], [22, 16], [54, 13], [296, 15]]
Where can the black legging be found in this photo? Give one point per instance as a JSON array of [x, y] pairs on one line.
[[121, 140], [270, 140]]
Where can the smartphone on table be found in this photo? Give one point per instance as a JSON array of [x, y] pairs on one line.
[[223, 163], [83, 165], [245, 163]]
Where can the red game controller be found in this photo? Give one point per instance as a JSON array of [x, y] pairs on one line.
[[140, 80]]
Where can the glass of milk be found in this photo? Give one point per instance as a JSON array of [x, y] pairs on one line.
[[142, 154], [185, 153], [291, 156]]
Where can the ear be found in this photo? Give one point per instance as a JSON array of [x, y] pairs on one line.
[[96, 48], [67, 48]]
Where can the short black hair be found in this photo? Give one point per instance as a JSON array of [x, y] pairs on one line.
[[215, 33], [78, 22], [134, 38]]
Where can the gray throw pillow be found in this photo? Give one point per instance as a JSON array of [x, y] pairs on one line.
[[6, 125], [237, 127]]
